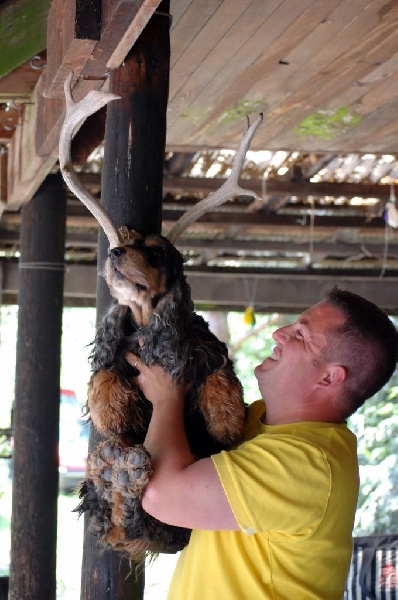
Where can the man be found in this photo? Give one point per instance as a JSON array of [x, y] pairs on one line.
[[273, 518]]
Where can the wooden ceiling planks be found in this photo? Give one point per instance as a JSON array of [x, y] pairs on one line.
[[330, 62], [256, 51], [348, 78]]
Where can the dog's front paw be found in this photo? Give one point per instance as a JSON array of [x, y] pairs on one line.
[[131, 472]]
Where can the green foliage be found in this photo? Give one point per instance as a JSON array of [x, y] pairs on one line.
[[328, 124], [376, 426], [240, 109]]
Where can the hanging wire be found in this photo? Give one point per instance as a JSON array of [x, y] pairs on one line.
[[249, 316], [385, 249], [390, 220]]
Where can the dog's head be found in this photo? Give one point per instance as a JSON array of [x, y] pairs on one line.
[[142, 272]]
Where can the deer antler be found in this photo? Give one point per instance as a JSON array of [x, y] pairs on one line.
[[229, 188], [76, 113]]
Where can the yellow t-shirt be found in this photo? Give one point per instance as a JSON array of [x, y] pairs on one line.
[[293, 490]]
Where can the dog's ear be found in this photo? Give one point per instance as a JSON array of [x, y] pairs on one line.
[[175, 264]]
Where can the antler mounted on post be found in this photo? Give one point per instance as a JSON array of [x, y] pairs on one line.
[[77, 112]]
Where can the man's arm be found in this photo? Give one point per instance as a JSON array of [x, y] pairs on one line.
[[181, 491]]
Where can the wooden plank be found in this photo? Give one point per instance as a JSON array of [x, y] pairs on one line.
[[188, 26], [177, 9], [3, 179], [266, 31], [136, 24], [26, 170], [50, 113], [204, 185], [214, 41], [9, 120], [122, 23], [340, 63], [285, 90], [288, 292], [283, 292], [372, 133], [68, 52], [37, 140], [21, 81], [265, 78], [22, 31], [355, 62]]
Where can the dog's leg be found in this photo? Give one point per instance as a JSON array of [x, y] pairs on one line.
[[220, 401], [113, 404], [96, 492]]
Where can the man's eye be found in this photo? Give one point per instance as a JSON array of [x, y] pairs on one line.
[[299, 333]]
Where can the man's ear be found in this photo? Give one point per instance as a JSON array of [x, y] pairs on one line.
[[333, 375]]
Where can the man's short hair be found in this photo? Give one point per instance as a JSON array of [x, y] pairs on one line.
[[366, 345]]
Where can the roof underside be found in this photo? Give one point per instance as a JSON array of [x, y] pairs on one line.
[[325, 76]]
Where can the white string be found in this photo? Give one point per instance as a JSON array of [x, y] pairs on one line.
[[251, 294], [385, 250], [43, 266], [312, 228]]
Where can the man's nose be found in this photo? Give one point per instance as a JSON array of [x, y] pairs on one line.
[[282, 335]]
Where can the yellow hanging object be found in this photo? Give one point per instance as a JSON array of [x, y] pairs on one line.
[[248, 317]]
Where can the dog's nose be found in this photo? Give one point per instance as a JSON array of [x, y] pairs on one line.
[[114, 252]]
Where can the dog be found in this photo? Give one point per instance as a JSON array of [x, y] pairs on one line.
[[153, 317]]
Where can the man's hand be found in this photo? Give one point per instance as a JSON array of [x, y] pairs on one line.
[[180, 491], [156, 384]]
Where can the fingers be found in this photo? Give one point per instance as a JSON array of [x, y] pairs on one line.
[[133, 360]]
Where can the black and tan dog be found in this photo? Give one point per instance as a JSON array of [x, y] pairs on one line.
[[155, 319]]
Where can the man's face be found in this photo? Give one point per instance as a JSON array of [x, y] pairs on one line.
[[295, 366]]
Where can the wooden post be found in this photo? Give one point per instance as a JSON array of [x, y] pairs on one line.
[[37, 393], [132, 177]]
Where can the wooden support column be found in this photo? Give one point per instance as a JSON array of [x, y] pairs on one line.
[[37, 393], [135, 136]]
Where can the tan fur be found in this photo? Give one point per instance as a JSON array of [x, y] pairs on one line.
[[112, 406], [224, 419]]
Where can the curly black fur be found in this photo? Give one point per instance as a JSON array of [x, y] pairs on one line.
[[179, 340]]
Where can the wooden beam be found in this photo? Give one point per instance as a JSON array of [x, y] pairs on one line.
[[92, 52], [3, 178], [26, 170], [303, 188], [34, 145], [130, 15], [283, 292], [70, 51], [287, 293], [195, 185]]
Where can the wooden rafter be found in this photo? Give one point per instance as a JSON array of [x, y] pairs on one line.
[[34, 145]]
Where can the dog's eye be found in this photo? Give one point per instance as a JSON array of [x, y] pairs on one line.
[[157, 253]]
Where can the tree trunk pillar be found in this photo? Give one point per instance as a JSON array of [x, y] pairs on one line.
[[37, 395], [135, 135]]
